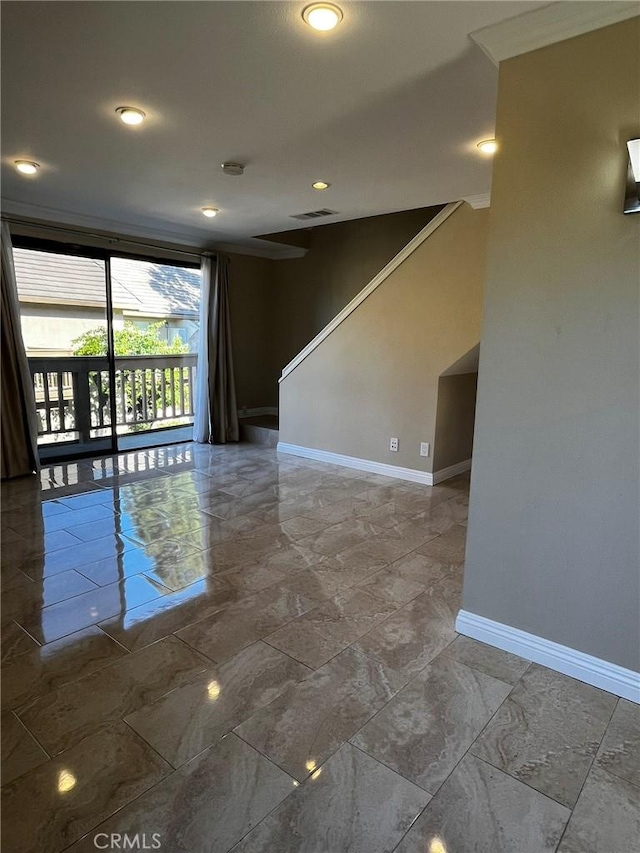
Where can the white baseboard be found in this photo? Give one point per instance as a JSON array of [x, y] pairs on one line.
[[371, 467], [367, 465], [451, 471], [254, 413], [595, 671]]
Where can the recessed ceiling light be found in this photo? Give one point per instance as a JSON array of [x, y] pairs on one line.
[[130, 115], [320, 185], [488, 146], [322, 16], [209, 211], [27, 167]]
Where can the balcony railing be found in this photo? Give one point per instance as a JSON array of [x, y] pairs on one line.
[[74, 395]]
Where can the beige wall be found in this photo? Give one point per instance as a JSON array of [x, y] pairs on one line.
[[252, 325], [455, 417], [553, 528], [341, 260], [376, 375]]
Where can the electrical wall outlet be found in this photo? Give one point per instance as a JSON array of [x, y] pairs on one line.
[[424, 448], [393, 444]]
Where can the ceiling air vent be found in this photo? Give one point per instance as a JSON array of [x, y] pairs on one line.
[[315, 214]]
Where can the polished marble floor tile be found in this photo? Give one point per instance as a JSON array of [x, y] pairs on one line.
[[337, 512], [384, 494], [199, 712], [74, 557], [323, 632], [140, 626], [413, 636], [50, 807], [420, 569], [63, 518], [481, 810], [198, 589], [15, 641], [487, 659], [375, 552], [430, 724], [46, 668], [206, 806], [224, 506], [91, 498], [240, 624], [329, 576], [310, 720], [183, 545], [420, 500], [390, 587], [448, 547], [7, 535], [23, 602], [547, 733], [445, 515], [35, 543], [619, 751], [397, 540], [351, 803], [10, 579], [168, 567], [606, 818], [20, 751], [229, 555], [66, 715], [298, 527], [261, 572], [89, 608], [265, 538], [341, 536], [389, 515]]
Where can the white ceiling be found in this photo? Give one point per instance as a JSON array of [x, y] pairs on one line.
[[388, 107]]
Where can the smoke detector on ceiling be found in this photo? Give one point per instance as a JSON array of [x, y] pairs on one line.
[[233, 168]]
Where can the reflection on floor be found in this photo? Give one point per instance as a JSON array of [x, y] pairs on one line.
[[216, 648]]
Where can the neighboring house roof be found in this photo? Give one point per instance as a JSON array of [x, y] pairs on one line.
[[138, 287]]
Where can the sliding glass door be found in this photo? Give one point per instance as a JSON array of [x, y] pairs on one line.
[[111, 343], [156, 310], [65, 328]]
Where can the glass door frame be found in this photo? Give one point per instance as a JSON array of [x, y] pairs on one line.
[[106, 445]]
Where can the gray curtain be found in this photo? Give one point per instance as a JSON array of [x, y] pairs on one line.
[[223, 409], [18, 422]]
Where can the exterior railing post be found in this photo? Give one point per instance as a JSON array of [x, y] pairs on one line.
[[82, 404]]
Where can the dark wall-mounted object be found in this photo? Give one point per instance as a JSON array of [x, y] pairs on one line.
[[632, 194]]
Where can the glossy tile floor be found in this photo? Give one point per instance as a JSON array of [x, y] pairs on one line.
[[218, 649]]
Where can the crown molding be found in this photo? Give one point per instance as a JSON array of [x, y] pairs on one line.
[[35, 215], [478, 201], [550, 24]]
